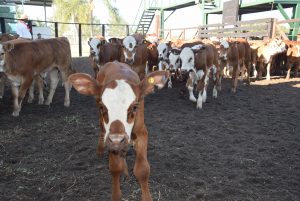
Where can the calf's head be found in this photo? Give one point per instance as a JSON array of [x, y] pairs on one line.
[[119, 95], [129, 49], [95, 44], [163, 51], [4, 49], [293, 50]]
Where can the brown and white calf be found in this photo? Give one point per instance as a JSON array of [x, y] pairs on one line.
[[135, 53], [120, 97], [235, 55], [94, 44], [267, 51], [22, 61], [201, 62]]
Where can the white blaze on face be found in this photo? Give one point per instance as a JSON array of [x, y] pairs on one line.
[[174, 61], [225, 44], [187, 58], [223, 52], [129, 43], [117, 102], [197, 47], [162, 49], [94, 42], [1, 58]]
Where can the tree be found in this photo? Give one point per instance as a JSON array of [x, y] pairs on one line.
[[75, 11], [115, 19]]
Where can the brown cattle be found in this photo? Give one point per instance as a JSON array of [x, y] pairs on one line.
[[94, 44], [293, 57], [34, 58], [3, 38], [266, 53], [152, 61], [201, 62], [120, 96], [135, 53], [235, 54]]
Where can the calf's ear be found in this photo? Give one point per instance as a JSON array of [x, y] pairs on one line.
[[84, 84], [154, 80]]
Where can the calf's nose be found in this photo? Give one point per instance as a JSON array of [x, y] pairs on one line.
[[117, 143]]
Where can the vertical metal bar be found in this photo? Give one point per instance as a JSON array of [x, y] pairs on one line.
[[30, 27], [56, 29], [127, 30], [103, 30], [2, 22], [45, 11], [79, 40], [162, 26], [296, 14]]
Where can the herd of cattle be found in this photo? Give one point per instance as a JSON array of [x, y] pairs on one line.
[[126, 70]]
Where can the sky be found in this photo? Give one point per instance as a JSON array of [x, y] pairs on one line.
[[128, 10]]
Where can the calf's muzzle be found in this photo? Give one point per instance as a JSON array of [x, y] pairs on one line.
[[117, 143]]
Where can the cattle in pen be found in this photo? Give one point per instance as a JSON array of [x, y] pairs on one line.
[[136, 54], [201, 63], [35, 58], [236, 56], [293, 57], [119, 94]]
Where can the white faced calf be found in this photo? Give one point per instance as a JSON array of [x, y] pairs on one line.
[[120, 98]]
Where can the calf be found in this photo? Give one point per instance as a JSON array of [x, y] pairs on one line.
[[34, 58], [235, 55], [3, 38], [120, 97], [293, 57], [94, 44], [163, 55], [201, 62], [174, 66], [268, 51], [152, 60], [135, 53]]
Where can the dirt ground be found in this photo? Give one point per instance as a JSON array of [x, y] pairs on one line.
[[243, 147]]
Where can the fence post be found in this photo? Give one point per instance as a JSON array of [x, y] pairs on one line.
[[127, 30], [103, 30], [272, 28], [56, 29], [2, 22], [79, 40]]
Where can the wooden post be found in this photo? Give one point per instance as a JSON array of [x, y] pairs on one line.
[[272, 28]]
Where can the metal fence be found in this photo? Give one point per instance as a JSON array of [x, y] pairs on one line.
[[77, 33]]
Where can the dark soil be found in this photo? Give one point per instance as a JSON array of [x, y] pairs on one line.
[[243, 147]]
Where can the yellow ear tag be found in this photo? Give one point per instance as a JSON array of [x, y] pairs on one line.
[[151, 80]]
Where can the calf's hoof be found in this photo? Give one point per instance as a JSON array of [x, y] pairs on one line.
[[15, 114]]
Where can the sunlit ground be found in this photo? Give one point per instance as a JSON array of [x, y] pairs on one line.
[[295, 82]]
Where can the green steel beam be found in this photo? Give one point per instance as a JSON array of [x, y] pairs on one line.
[[162, 23], [296, 14], [283, 13]]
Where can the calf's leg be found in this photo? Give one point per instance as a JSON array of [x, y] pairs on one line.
[[117, 165], [53, 84], [141, 167]]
